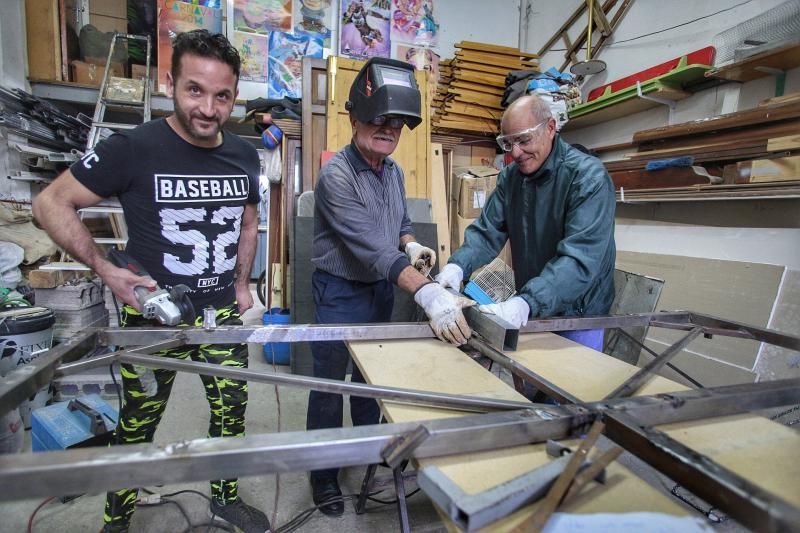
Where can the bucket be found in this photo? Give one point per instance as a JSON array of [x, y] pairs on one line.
[[25, 334], [279, 349]]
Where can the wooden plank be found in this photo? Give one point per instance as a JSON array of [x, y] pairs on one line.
[[778, 169], [789, 142], [668, 177], [432, 365], [43, 40], [439, 204], [49, 279], [758, 66], [489, 100], [494, 49], [758, 115], [478, 87], [473, 109]]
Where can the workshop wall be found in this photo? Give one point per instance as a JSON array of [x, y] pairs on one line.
[[720, 237]]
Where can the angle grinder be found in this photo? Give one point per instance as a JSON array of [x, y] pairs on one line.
[[168, 307]]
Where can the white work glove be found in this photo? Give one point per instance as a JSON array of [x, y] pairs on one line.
[[421, 257], [515, 311], [444, 311], [450, 276]]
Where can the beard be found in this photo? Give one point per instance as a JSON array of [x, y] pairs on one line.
[[186, 122]]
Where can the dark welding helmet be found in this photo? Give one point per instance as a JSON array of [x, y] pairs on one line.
[[385, 87]]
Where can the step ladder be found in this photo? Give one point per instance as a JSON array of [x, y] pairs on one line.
[[119, 94]]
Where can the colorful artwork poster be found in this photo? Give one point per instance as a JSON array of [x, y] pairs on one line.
[[176, 17], [262, 16], [314, 17], [286, 53], [422, 59], [365, 26], [413, 22], [254, 50]]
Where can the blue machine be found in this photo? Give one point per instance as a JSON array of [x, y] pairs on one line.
[[85, 421]]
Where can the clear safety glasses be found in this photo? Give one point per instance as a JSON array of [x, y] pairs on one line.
[[391, 121], [507, 142]]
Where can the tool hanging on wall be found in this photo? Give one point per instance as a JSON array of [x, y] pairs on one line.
[[589, 65]]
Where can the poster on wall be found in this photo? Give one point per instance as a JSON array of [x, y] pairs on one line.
[[286, 53], [175, 17], [254, 51], [422, 59], [262, 16], [413, 22], [314, 17], [364, 28]]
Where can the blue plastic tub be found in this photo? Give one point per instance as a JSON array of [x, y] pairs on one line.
[[277, 350]]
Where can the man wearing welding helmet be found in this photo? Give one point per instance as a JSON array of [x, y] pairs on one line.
[[555, 205], [364, 245]]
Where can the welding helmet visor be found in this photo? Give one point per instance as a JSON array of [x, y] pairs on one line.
[[385, 87]]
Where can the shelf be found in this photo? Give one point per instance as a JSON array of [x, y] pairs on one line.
[[701, 193], [760, 65], [87, 95]]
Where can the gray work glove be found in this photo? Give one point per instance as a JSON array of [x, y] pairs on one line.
[[450, 276], [515, 311], [421, 257], [444, 311]]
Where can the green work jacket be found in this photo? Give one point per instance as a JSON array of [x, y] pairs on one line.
[[560, 222]]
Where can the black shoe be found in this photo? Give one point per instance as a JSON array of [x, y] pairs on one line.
[[326, 489], [244, 517]]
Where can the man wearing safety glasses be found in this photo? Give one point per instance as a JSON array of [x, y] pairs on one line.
[[555, 205], [364, 245]]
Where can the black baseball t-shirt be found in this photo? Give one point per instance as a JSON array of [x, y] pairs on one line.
[[183, 204]]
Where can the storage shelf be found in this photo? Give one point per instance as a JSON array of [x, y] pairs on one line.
[[85, 94], [702, 193], [780, 59]]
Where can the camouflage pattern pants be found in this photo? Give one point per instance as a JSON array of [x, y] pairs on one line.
[[145, 395]]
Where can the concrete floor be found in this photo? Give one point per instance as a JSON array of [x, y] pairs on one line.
[[281, 497]]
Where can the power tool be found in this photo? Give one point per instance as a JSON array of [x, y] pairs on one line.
[[168, 307]]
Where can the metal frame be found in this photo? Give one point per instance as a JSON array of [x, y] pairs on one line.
[[629, 420]]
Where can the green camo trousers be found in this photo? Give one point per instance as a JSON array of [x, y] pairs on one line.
[[145, 395]]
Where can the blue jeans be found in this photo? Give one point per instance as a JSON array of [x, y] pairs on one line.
[[341, 301]]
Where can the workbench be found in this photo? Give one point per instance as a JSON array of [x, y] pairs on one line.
[[752, 446]]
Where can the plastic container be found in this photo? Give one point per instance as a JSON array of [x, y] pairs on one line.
[[277, 350], [25, 334]]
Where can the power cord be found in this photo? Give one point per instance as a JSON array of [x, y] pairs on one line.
[[153, 499]]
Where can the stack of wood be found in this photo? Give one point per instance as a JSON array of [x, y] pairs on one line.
[[759, 147], [472, 84]]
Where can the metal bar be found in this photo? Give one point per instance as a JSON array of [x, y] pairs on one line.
[[600, 322], [524, 373], [770, 336], [746, 502], [25, 381], [273, 333], [100, 469], [680, 372], [400, 490], [496, 331], [395, 394], [110, 358], [635, 382]]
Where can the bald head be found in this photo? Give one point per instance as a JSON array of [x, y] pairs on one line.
[[529, 106]]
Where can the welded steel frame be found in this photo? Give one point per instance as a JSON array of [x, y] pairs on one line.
[[629, 421]]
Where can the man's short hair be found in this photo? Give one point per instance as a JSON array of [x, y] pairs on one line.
[[532, 104], [203, 43]]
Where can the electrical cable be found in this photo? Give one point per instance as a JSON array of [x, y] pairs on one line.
[[33, 514], [664, 29]]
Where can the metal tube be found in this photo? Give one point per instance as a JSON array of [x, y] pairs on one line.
[[635, 382], [106, 359], [99, 469], [551, 389], [770, 336], [746, 502], [434, 399], [25, 381]]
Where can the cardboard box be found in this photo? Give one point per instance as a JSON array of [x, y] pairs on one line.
[[474, 185], [91, 74], [461, 225]]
